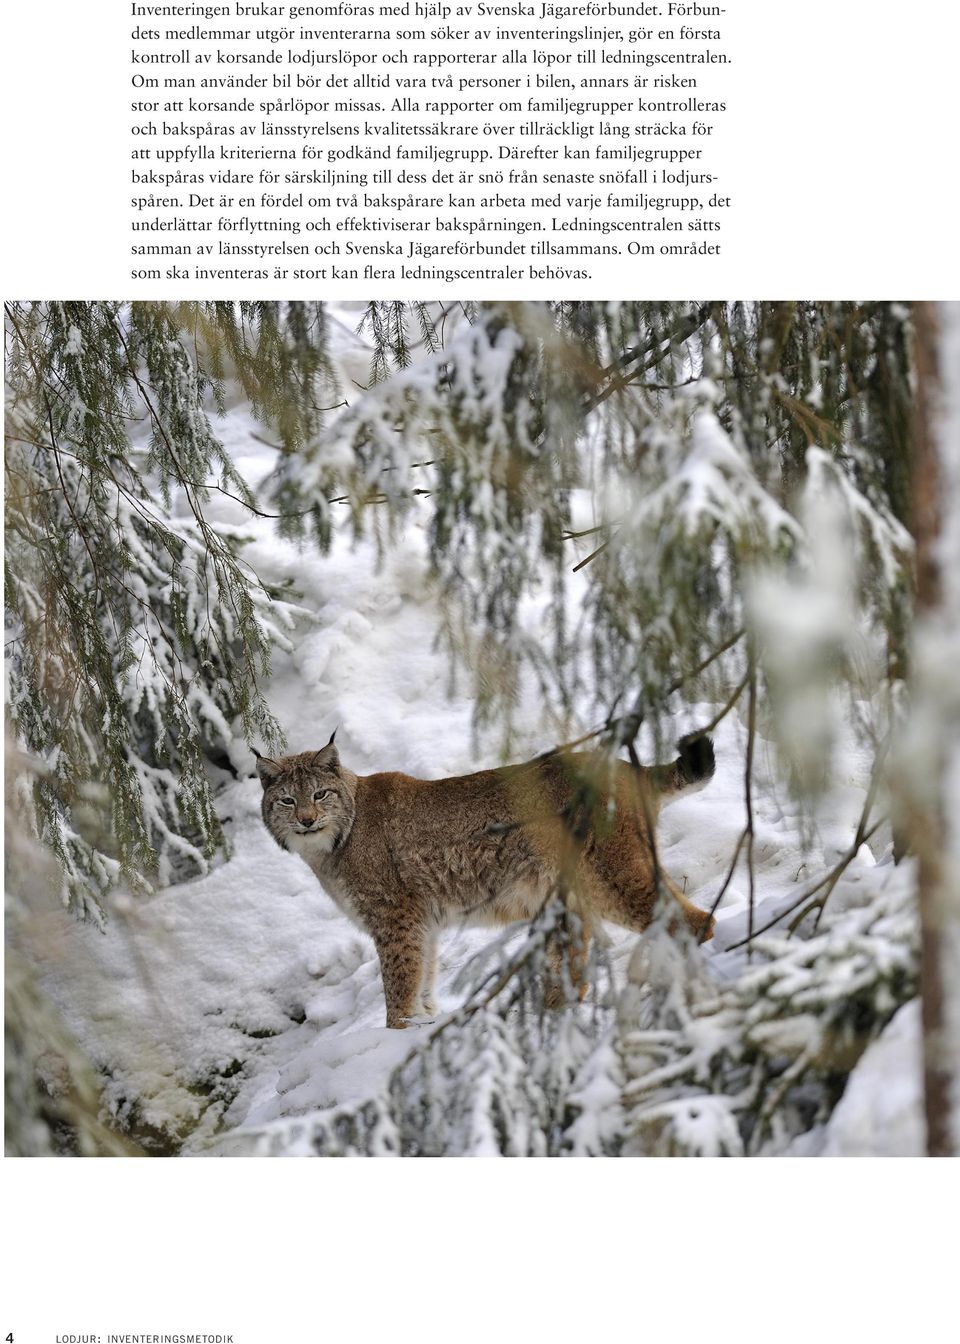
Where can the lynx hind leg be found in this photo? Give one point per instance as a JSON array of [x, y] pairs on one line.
[[700, 923], [568, 955], [626, 895], [428, 986], [402, 969]]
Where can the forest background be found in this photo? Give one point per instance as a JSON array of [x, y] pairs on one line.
[[472, 532]]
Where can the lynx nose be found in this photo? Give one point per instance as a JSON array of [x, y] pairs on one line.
[[306, 818]]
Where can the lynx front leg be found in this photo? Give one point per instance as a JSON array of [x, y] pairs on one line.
[[401, 967], [568, 955]]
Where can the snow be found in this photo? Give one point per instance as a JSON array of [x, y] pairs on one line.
[[228, 1011], [881, 1111]]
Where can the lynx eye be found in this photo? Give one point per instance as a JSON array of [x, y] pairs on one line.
[[288, 802], [321, 793]]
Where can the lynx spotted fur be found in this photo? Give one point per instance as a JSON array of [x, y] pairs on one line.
[[404, 857]]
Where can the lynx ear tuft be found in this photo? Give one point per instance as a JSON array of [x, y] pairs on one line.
[[327, 758], [267, 769]]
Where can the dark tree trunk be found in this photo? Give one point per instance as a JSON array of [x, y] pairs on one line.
[[927, 823]]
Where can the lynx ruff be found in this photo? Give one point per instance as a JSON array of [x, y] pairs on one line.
[[405, 857]]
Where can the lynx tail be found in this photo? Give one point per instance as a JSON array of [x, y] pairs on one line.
[[692, 769]]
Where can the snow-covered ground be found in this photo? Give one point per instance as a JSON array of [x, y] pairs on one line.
[[223, 1005]]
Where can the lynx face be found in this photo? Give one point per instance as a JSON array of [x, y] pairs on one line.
[[306, 805]]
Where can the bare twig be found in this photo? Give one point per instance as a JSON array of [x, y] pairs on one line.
[[746, 835], [727, 707], [592, 556], [726, 882], [829, 881], [748, 793], [648, 355]]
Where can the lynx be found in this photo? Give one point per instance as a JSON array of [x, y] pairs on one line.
[[405, 857]]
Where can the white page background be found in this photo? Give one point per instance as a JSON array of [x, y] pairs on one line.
[[843, 146]]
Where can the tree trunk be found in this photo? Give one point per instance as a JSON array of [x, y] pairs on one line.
[[933, 744]]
